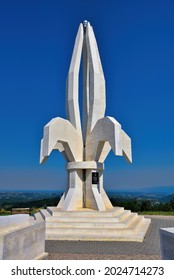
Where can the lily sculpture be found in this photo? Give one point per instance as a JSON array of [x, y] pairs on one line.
[[85, 143]]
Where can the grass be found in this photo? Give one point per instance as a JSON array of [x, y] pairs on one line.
[[35, 210], [5, 213], [162, 213]]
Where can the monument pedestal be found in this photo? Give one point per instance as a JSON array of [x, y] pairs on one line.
[[85, 180], [114, 224]]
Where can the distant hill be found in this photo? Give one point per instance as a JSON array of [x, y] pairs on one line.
[[162, 190], [13, 199], [27, 199], [160, 194], [167, 198]]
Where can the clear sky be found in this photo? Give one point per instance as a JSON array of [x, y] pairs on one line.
[[136, 45]]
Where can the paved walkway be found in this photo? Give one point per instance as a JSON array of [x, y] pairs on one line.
[[149, 249]]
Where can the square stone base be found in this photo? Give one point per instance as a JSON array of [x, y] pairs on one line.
[[167, 243]]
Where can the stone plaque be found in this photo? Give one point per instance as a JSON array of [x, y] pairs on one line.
[[95, 178]]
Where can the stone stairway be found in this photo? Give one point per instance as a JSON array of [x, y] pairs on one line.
[[115, 224]]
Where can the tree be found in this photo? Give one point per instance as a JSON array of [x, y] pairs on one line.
[[146, 205]]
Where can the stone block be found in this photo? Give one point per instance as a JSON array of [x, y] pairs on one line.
[[13, 221], [22, 238], [167, 243]]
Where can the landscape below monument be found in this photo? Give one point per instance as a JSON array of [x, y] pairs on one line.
[[40, 198]]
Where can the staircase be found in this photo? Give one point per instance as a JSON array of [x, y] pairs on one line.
[[115, 224]]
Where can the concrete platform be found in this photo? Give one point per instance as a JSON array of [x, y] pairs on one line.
[[149, 249], [115, 224]]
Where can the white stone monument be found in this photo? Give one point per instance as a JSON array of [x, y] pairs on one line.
[[85, 145]]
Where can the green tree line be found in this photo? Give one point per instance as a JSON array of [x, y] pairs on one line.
[[137, 205], [42, 203]]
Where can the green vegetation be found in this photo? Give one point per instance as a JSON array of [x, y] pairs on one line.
[[162, 213], [139, 205], [35, 210], [42, 203], [3, 212], [34, 205], [143, 206]]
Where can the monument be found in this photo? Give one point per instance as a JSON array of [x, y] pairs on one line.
[[85, 211]]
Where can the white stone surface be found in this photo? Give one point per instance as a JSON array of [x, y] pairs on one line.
[[73, 198], [13, 221], [126, 146], [85, 165], [108, 130], [59, 130], [73, 112], [167, 243], [22, 238], [85, 148], [97, 99], [114, 224]]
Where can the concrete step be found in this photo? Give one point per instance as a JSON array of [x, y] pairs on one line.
[[85, 212], [130, 218], [119, 214], [94, 230], [123, 215], [135, 233], [143, 225], [98, 237], [45, 214], [91, 223], [38, 216], [141, 228], [115, 224], [85, 218], [82, 216]]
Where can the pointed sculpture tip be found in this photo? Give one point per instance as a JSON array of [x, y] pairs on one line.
[[85, 23]]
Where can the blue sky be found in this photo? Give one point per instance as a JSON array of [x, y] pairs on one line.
[[136, 45]]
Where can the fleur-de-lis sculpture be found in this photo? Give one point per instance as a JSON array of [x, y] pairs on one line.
[[86, 144]]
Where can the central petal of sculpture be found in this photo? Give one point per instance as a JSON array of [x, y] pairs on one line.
[[85, 144]]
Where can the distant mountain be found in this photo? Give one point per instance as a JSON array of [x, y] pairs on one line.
[[28, 199], [161, 194], [163, 190], [25, 198]]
